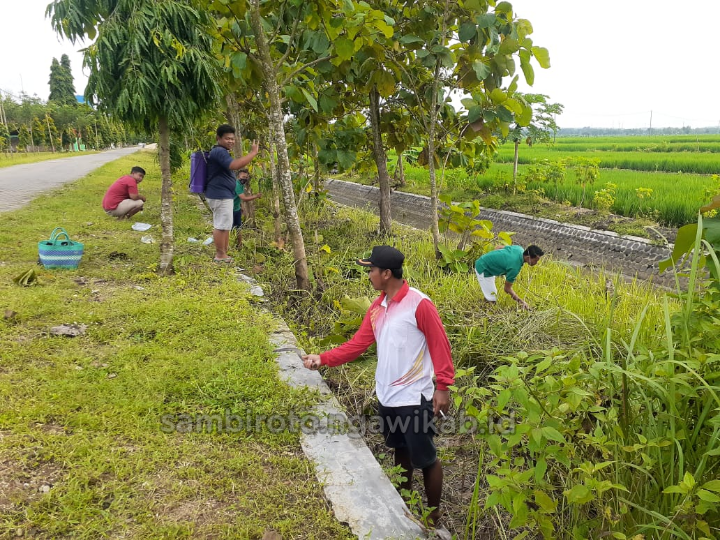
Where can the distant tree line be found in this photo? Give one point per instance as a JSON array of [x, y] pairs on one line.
[[615, 132], [29, 124]]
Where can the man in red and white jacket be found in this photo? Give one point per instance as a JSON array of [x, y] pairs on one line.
[[411, 346]]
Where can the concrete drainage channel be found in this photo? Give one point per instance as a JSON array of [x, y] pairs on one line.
[[359, 491], [576, 244]]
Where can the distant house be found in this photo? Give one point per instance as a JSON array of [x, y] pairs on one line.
[[80, 99]]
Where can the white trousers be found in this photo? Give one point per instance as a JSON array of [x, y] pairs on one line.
[[487, 284]]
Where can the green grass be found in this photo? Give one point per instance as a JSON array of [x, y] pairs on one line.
[[83, 416], [592, 331], [654, 143], [674, 201], [8, 160]]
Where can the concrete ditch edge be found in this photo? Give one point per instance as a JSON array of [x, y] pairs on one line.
[[580, 245], [359, 491]]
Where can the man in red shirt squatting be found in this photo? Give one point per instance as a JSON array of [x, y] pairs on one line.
[[411, 346], [122, 199]]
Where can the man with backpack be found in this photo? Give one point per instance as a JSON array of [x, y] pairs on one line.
[[220, 190]]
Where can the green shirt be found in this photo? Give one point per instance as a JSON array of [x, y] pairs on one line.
[[239, 189], [501, 262]]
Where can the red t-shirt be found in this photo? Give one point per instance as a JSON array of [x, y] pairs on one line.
[[119, 191]]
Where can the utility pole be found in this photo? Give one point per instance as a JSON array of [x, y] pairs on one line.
[[650, 130]]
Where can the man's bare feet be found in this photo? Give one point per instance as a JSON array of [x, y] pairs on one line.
[[433, 519]]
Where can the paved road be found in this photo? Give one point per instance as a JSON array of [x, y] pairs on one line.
[[20, 184]]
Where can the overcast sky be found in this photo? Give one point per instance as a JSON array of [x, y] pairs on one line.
[[613, 62]]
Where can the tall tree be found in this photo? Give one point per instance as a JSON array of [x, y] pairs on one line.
[[362, 43], [62, 87], [277, 130], [466, 46], [151, 65], [275, 46]]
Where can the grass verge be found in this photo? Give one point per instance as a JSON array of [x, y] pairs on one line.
[[8, 160], [85, 445]]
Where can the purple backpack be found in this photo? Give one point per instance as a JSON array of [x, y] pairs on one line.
[[198, 171]]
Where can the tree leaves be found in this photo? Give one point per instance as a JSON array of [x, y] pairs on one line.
[[385, 28], [542, 55], [310, 98], [239, 61], [344, 48], [482, 69], [509, 46], [467, 31], [475, 113]]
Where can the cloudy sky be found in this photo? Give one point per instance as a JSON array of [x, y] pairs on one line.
[[613, 62]]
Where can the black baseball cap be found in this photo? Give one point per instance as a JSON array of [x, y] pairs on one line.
[[384, 257]]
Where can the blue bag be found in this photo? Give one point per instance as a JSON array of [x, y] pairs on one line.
[[198, 171], [59, 252]]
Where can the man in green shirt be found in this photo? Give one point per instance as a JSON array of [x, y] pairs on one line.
[[243, 178], [504, 261]]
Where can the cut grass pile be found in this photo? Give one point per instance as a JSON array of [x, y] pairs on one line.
[[85, 445]]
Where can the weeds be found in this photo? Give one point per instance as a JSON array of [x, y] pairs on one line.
[[572, 311], [621, 441]]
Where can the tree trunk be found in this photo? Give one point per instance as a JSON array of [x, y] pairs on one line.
[[275, 198], [50, 137], [283, 162], [381, 163], [431, 163], [432, 129], [400, 171], [515, 165], [232, 114], [316, 166], [167, 245]]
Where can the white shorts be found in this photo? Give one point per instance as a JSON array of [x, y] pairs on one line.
[[222, 210], [487, 284], [125, 207]]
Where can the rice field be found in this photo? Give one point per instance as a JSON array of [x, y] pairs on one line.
[[674, 200], [679, 170], [637, 157]]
